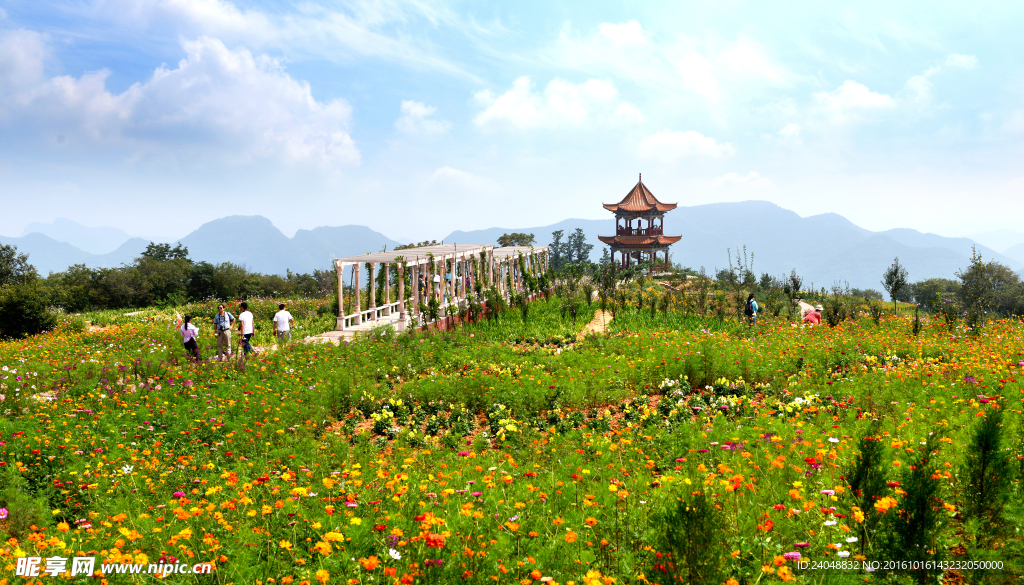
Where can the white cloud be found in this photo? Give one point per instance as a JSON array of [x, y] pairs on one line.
[[623, 34], [22, 56], [449, 177], [962, 61], [918, 89], [790, 134], [708, 67], [851, 102], [417, 118], [668, 146], [228, 102], [562, 103], [751, 180], [336, 33]]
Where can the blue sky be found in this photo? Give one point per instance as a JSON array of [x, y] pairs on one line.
[[417, 118]]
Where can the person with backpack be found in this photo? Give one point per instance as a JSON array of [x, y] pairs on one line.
[[246, 329], [222, 322], [189, 333], [751, 311]]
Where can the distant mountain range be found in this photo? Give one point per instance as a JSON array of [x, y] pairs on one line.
[[824, 249], [251, 241]]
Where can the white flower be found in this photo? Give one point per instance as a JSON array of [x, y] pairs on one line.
[[830, 523], [395, 554], [851, 539], [833, 440], [127, 469], [844, 553]]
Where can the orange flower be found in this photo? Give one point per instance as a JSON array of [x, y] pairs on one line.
[[370, 563], [591, 521], [322, 576], [536, 574], [558, 521], [785, 574], [322, 548], [570, 536], [435, 541]]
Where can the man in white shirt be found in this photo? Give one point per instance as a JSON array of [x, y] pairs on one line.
[[283, 324], [246, 327]]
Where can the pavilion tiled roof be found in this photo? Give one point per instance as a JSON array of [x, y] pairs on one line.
[[639, 241], [640, 199]]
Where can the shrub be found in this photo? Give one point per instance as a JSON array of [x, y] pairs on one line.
[[690, 535], [987, 474], [913, 531], [24, 310]]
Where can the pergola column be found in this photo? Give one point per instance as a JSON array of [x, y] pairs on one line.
[[387, 288], [373, 290], [416, 288], [451, 279], [401, 292], [358, 318], [340, 270]]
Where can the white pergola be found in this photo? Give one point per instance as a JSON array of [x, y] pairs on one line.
[[489, 265]]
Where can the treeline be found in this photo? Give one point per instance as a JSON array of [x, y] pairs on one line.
[[161, 276]]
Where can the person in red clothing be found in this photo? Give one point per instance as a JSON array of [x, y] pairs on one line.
[[814, 317]]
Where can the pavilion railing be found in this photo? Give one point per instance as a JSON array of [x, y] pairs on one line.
[[654, 231]]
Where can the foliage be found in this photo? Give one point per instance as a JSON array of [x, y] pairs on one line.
[[25, 309], [14, 267], [515, 239], [894, 280]]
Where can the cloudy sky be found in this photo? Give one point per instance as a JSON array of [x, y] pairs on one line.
[[417, 118]]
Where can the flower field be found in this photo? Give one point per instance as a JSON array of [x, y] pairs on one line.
[[671, 449]]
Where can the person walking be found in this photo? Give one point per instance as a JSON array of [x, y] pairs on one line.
[[222, 322], [283, 324], [189, 333], [246, 328], [751, 311]]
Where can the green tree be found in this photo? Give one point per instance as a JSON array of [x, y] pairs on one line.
[[975, 289], [515, 239], [579, 249], [926, 292], [164, 252], [558, 250], [14, 267], [894, 280], [24, 309]]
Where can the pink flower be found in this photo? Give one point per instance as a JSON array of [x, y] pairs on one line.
[[792, 556]]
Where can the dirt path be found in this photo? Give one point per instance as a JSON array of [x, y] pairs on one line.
[[598, 325]]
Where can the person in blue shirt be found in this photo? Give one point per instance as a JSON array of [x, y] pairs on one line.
[[751, 311], [222, 322]]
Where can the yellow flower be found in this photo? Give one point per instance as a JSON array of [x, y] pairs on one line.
[[355, 521], [285, 544]]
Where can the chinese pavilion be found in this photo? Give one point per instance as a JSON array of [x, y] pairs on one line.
[[643, 241]]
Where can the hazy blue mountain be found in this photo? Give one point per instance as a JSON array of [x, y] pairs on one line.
[[824, 249], [49, 255], [252, 241], [1016, 252], [1001, 240], [94, 240]]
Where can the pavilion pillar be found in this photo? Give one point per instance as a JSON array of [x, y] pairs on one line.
[[340, 270], [373, 290], [464, 277], [452, 281], [416, 288], [401, 294], [387, 289], [358, 318]]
